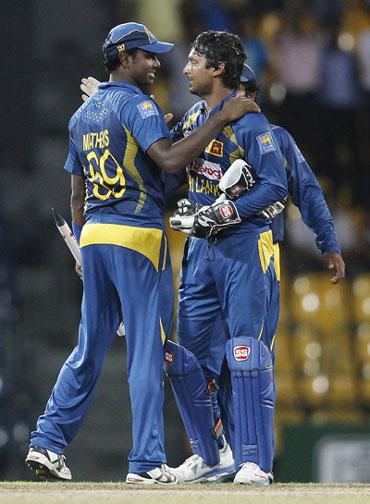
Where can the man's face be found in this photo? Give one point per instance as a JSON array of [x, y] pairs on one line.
[[143, 68], [199, 76]]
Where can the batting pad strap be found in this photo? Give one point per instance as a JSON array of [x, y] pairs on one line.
[[212, 389], [193, 401], [251, 370]]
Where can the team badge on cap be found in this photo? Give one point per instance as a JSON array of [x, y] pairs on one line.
[[266, 143]]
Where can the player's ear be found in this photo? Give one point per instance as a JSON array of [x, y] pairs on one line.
[[219, 70], [124, 58]]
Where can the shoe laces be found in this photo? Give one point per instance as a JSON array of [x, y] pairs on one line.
[[190, 462], [166, 471]]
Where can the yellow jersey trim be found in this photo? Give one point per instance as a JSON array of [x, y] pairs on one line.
[[277, 260], [163, 334], [165, 253], [191, 120], [261, 333], [129, 164], [238, 152], [146, 241], [272, 343], [265, 249]]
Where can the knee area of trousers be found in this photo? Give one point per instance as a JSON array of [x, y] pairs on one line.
[[178, 361], [247, 354]]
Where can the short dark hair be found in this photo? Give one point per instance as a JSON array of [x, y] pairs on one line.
[[222, 47], [112, 63], [250, 87]]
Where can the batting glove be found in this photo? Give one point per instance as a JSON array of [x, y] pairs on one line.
[[273, 210], [183, 218], [208, 221]]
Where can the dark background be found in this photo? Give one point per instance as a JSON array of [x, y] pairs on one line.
[[312, 59]]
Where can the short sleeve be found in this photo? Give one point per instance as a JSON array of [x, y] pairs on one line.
[[145, 121], [73, 164]]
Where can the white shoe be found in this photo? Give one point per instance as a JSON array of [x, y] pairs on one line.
[[195, 470], [47, 464], [162, 475], [251, 474]]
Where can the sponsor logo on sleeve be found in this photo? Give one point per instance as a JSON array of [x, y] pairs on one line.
[[147, 109], [266, 143], [241, 353], [216, 148]]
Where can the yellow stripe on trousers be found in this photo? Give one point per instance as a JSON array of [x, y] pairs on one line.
[[146, 241]]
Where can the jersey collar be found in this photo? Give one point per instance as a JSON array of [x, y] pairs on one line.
[[222, 103], [126, 85]]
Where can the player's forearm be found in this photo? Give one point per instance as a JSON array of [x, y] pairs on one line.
[[173, 158], [77, 199], [316, 215], [327, 242], [259, 197]]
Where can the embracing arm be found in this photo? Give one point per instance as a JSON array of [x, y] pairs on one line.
[[173, 157]]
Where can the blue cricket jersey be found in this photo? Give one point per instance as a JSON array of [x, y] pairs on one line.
[[108, 139], [303, 186], [306, 194], [250, 138]]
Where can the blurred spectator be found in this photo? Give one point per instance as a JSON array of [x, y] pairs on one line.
[[297, 64], [328, 12], [216, 15], [162, 17], [363, 53], [339, 97], [257, 56]]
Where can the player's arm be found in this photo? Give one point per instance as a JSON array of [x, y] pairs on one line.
[[267, 163], [77, 199], [308, 196], [173, 157], [74, 168], [77, 210]]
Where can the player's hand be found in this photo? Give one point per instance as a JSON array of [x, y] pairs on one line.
[[335, 264], [187, 207], [208, 221], [237, 107], [89, 86], [78, 270], [168, 117], [183, 218]]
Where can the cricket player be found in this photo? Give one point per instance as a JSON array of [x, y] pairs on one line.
[[307, 194], [228, 274], [119, 150]]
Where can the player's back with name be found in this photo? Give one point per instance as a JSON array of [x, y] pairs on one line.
[[110, 134]]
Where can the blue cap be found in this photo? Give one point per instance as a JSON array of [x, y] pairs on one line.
[[248, 75], [130, 36]]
